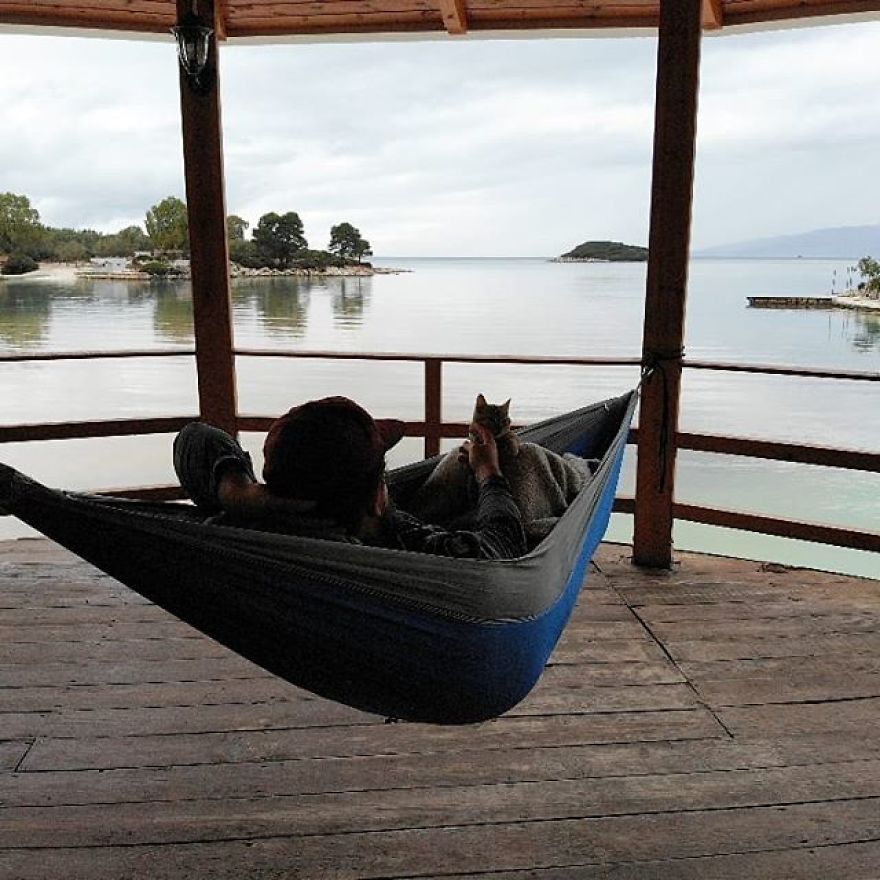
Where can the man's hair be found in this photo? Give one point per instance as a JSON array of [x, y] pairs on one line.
[[332, 452]]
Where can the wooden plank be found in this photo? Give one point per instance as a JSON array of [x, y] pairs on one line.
[[713, 15], [855, 861], [776, 627], [454, 15], [470, 848], [105, 428], [851, 459], [855, 643], [586, 699], [162, 822], [827, 686], [433, 405], [839, 665], [257, 777], [344, 741], [678, 64], [611, 674], [11, 753], [194, 647], [734, 612], [109, 631], [856, 539], [844, 716], [98, 672], [206, 209], [576, 649], [303, 710], [237, 691]]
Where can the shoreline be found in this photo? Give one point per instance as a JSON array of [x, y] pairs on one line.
[[70, 273]]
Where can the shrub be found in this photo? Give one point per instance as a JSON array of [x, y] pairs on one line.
[[245, 253], [158, 269], [19, 264]]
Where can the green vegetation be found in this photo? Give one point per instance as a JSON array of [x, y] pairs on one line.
[[20, 228], [168, 226], [869, 268], [346, 242], [19, 264], [610, 251], [278, 240]]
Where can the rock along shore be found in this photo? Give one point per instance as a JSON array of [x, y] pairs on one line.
[[68, 273]]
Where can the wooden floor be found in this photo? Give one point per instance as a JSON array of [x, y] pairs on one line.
[[722, 721]]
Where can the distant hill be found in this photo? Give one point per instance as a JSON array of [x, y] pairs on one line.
[[606, 251], [847, 242]]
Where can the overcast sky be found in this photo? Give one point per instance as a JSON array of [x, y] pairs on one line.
[[472, 148]]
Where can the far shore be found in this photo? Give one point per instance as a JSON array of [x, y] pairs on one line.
[[70, 273]]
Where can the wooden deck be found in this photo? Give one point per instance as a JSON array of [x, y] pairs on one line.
[[718, 722]]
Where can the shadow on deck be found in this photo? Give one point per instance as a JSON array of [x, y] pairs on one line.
[[717, 722]]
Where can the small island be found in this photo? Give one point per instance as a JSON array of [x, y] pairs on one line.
[[604, 252]]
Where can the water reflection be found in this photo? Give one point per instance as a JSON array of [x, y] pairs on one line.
[[281, 303], [865, 335], [25, 311], [173, 315], [348, 299]]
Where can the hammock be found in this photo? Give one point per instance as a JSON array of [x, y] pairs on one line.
[[406, 635]]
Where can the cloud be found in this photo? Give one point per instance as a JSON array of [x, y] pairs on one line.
[[475, 147]]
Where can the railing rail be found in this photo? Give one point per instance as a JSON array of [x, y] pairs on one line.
[[433, 429]]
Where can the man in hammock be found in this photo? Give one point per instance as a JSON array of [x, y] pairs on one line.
[[324, 477]]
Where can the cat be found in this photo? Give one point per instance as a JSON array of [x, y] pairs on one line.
[[542, 483]]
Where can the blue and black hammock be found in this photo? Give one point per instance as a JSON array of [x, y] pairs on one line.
[[407, 635]]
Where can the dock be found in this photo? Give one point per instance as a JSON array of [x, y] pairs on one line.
[[715, 722], [791, 302]]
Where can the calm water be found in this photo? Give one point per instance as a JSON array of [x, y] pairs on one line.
[[504, 306]]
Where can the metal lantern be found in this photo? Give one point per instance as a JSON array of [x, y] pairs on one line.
[[193, 44]]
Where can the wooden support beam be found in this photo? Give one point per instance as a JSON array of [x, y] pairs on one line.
[[221, 14], [454, 15], [209, 253], [713, 15], [678, 63], [433, 405]]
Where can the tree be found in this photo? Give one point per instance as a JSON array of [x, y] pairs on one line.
[[279, 238], [870, 269], [20, 228], [124, 243], [167, 225], [346, 242], [236, 227]]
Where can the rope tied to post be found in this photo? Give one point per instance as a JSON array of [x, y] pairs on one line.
[[653, 364]]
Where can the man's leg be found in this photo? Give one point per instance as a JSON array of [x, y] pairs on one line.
[[202, 455]]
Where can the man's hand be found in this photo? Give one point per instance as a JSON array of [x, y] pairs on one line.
[[482, 454]]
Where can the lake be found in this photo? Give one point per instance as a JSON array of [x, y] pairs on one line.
[[473, 306]]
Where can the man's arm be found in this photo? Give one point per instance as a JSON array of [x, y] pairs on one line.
[[498, 533]]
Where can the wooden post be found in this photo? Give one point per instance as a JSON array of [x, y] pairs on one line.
[[678, 63], [433, 405], [209, 252]]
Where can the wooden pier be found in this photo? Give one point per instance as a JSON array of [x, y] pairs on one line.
[[791, 302], [716, 722]]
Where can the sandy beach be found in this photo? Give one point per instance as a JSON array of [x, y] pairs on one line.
[[849, 301], [63, 273]]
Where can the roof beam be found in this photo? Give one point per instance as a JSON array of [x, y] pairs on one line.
[[454, 16], [221, 13], [713, 15]]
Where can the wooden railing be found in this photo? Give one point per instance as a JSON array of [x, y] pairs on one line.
[[433, 429]]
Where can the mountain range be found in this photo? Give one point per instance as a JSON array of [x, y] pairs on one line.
[[847, 242]]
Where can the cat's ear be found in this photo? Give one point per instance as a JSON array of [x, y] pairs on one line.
[[481, 401], [505, 407]]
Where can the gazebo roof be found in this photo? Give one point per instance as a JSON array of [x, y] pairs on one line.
[[240, 19]]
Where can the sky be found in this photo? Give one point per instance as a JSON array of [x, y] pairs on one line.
[[454, 148]]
